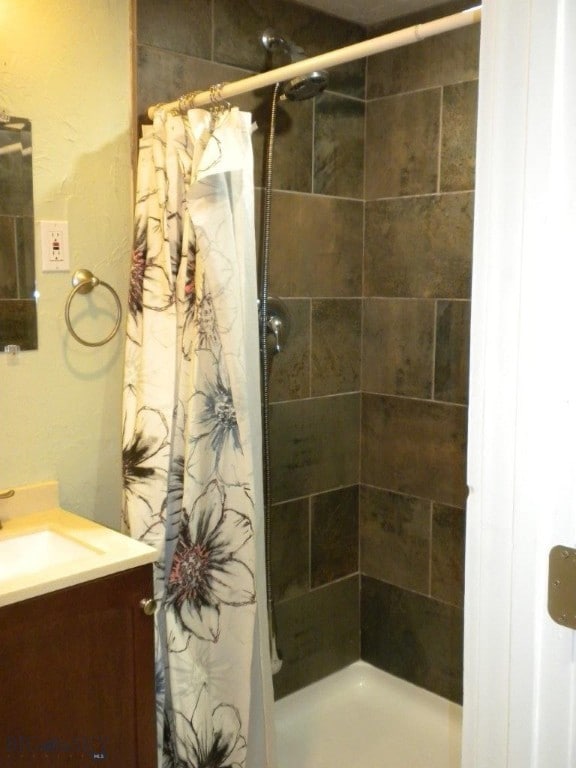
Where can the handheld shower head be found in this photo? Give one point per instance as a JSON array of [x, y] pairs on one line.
[[300, 87], [305, 86]]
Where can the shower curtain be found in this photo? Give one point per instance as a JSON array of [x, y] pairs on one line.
[[191, 437]]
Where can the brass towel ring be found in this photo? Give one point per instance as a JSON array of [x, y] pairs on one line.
[[84, 282]]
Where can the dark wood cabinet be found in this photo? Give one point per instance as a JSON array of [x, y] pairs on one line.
[[77, 676]]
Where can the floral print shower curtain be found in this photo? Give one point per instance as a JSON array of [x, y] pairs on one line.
[[189, 483]]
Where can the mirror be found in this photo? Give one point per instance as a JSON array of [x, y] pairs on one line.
[[17, 281]]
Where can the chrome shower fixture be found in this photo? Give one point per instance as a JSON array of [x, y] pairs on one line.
[[300, 87]]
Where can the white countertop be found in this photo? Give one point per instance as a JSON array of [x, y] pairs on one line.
[[107, 552]]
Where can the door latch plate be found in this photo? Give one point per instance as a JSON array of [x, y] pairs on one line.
[[562, 586]]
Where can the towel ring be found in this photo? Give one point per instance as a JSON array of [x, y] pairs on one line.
[[84, 282]]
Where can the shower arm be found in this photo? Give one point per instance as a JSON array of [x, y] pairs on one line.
[[379, 44]]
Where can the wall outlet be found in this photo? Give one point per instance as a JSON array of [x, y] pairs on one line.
[[55, 253]]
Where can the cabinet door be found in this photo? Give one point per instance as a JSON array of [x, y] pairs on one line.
[[77, 676]]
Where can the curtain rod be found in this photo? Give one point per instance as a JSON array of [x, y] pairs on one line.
[[386, 42]]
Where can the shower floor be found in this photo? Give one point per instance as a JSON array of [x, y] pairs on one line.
[[362, 717]]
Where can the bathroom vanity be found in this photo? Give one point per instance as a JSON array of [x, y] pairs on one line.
[[76, 644]]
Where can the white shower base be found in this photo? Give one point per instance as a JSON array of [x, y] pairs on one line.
[[362, 717]]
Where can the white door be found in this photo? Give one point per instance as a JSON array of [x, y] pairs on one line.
[[519, 671]]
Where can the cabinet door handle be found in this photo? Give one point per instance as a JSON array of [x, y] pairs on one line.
[[148, 605]]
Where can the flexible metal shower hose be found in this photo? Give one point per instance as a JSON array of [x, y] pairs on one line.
[[264, 286]]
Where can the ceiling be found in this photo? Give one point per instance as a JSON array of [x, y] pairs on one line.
[[369, 12]]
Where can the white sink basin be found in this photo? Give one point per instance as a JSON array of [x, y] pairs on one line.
[[51, 549], [31, 552]]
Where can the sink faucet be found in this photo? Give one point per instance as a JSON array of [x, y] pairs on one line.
[[6, 495]]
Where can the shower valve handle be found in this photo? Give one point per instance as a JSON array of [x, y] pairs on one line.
[[275, 326]]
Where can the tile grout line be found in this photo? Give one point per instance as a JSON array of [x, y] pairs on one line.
[[430, 546], [313, 150], [440, 139], [310, 341], [422, 89], [434, 343], [213, 24], [362, 331], [309, 543]]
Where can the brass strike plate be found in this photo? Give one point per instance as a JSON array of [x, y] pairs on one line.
[[562, 586]]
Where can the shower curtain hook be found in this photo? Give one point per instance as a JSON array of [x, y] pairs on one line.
[[216, 96], [218, 104], [185, 102]]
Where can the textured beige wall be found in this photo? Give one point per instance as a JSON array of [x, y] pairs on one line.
[[66, 65]]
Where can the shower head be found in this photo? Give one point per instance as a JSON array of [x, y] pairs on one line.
[[305, 86], [302, 86]]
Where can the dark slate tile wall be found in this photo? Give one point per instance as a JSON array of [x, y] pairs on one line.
[[452, 351], [333, 535], [459, 110], [402, 133], [420, 148], [335, 352], [413, 637], [395, 535], [415, 447], [238, 23], [180, 26], [375, 269], [447, 555], [290, 552], [419, 247], [398, 346], [315, 445], [316, 267], [290, 378], [437, 61], [319, 634], [339, 146], [317, 242]]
